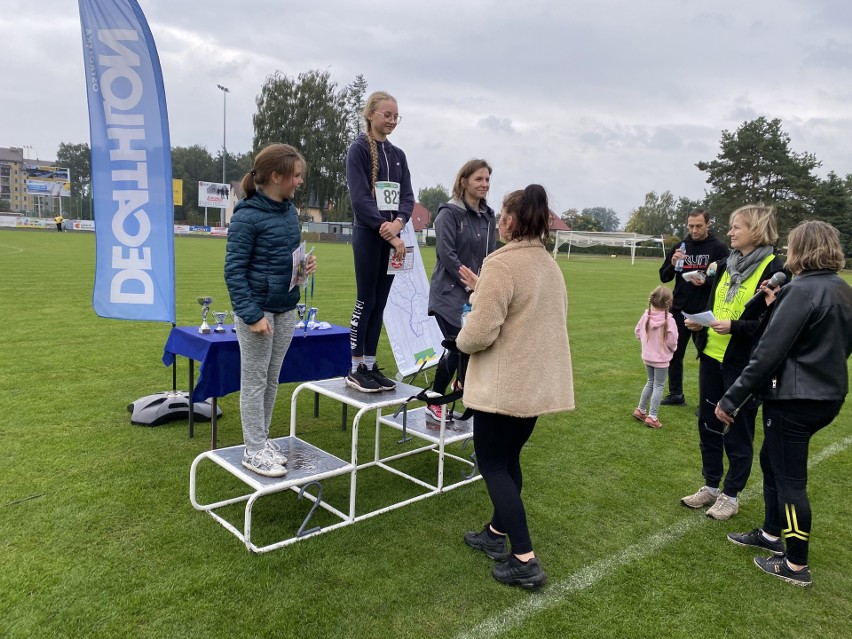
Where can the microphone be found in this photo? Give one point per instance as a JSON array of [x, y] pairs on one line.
[[776, 280]]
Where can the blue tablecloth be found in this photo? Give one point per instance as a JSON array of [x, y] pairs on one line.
[[315, 354]]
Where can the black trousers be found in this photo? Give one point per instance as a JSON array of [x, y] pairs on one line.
[[684, 335], [498, 440], [449, 363], [787, 430], [373, 285], [737, 444]]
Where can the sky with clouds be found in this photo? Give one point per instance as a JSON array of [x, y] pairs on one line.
[[600, 101]]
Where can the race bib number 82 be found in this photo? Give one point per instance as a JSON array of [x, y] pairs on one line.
[[387, 196]]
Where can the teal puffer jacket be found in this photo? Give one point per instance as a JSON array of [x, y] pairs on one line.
[[259, 257]]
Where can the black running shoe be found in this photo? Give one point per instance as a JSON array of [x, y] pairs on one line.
[[777, 567], [363, 380], [513, 572], [495, 548], [383, 382], [673, 400], [755, 539]]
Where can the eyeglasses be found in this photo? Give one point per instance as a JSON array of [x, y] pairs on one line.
[[725, 427], [391, 117]]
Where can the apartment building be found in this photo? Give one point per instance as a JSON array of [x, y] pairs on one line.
[[13, 183]]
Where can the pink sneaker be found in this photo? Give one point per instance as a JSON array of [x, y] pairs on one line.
[[653, 422], [434, 412], [638, 415]]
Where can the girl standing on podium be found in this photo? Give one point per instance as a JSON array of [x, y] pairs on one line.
[[262, 237], [382, 201]]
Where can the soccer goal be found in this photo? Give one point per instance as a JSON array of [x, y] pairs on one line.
[[592, 238]]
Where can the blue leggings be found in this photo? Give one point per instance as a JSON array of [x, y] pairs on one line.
[[373, 286]]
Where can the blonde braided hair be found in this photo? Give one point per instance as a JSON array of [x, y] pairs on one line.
[[369, 109]]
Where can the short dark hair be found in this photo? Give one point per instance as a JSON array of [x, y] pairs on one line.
[[701, 212]]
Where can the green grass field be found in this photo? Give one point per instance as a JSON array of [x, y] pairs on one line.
[[98, 537]]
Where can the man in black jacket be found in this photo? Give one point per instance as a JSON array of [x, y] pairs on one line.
[[702, 249]]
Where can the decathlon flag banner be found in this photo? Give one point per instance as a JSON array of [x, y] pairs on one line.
[[131, 164]]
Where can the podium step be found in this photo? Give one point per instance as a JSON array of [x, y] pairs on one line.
[[305, 463], [419, 425]]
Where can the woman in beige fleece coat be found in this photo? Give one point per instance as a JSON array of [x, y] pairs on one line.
[[519, 368]]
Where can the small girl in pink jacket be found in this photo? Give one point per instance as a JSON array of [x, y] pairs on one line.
[[657, 331]]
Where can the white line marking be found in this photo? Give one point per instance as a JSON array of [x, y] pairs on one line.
[[557, 593], [12, 249]]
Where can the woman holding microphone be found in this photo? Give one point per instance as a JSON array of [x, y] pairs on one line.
[[799, 370]]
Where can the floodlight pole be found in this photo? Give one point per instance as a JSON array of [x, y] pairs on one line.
[[225, 92]]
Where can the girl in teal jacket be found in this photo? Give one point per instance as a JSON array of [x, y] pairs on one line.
[[263, 234]]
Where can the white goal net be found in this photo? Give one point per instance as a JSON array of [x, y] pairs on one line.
[[591, 238]]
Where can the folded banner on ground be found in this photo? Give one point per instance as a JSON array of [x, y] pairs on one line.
[[131, 164]]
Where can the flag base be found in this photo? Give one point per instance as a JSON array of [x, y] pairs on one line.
[[159, 408]]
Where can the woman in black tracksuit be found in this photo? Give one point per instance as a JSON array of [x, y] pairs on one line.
[[382, 201], [799, 370]]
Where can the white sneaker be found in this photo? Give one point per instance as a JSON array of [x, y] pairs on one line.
[[700, 499], [277, 456], [724, 508], [263, 463]]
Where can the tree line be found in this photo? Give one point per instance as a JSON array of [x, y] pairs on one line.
[[755, 164], [309, 112]]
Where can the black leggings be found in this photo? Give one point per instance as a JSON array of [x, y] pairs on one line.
[[373, 285], [684, 336], [449, 363], [738, 445], [498, 440], [787, 430]]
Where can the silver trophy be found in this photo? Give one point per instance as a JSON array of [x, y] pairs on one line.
[[219, 316], [300, 311], [312, 317], [205, 309]]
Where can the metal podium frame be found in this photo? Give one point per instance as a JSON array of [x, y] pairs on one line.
[[309, 465]]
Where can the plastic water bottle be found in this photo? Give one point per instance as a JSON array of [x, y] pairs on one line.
[[679, 263], [465, 311]]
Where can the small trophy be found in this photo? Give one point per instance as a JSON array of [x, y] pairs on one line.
[[205, 309], [219, 316], [300, 311], [312, 317]]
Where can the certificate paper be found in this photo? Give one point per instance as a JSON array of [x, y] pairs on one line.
[[700, 318], [299, 276]]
